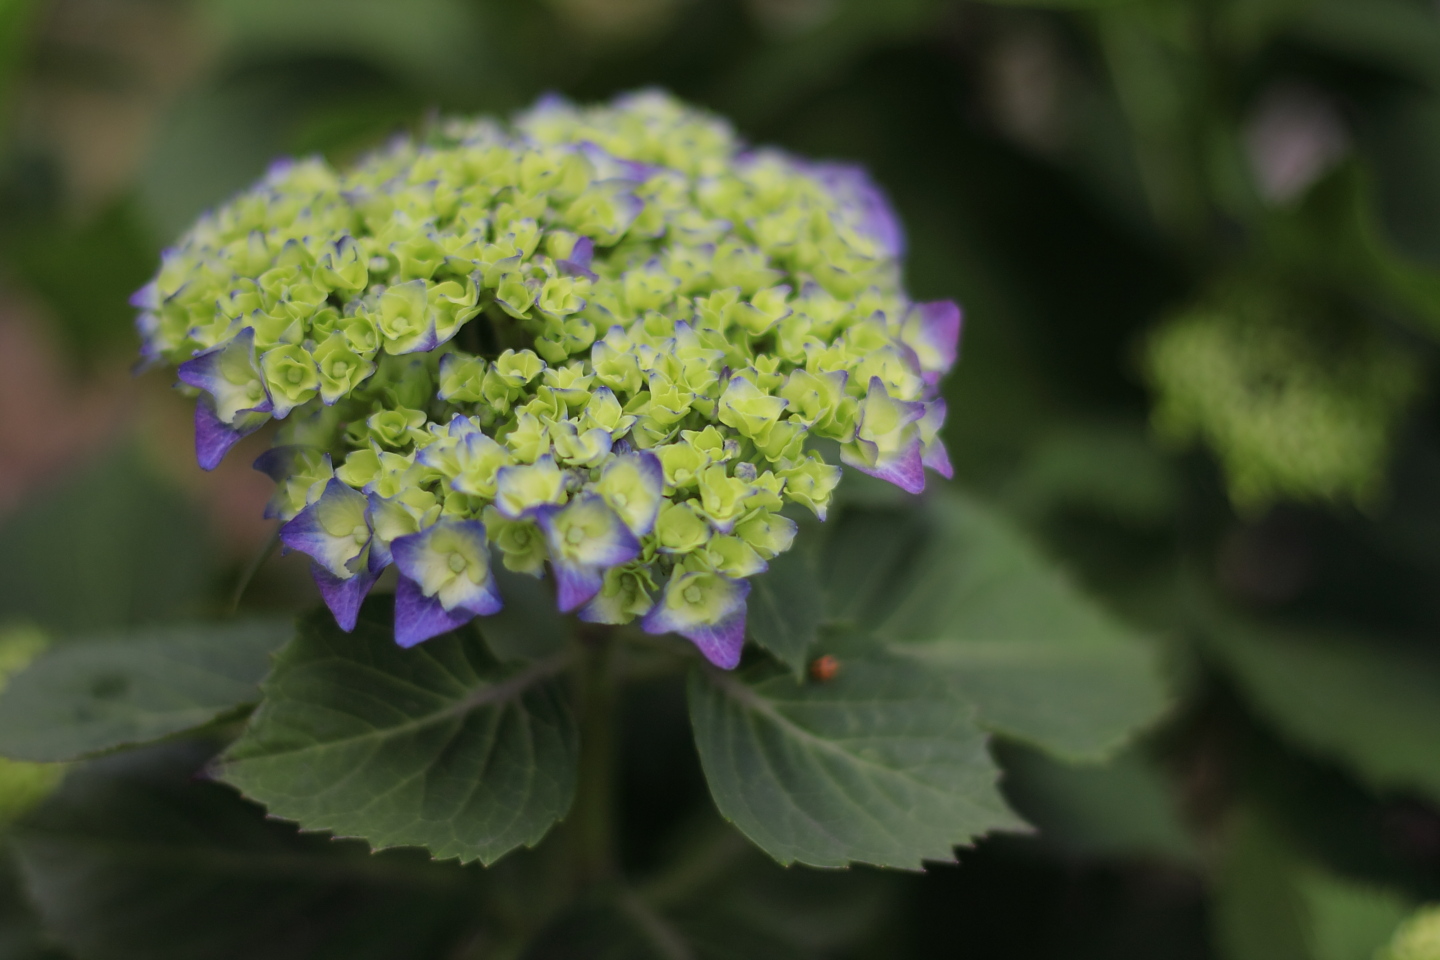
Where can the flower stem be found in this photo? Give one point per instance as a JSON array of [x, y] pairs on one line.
[[593, 817]]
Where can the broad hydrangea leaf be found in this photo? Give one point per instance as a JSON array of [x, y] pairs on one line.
[[440, 746], [1371, 705], [87, 697], [787, 608], [955, 589], [878, 766], [117, 873]]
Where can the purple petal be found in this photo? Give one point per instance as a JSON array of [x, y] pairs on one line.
[[147, 297], [306, 533], [937, 458], [576, 586], [933, 331], [572, 269], [418, 617], [214, 439], [905, 469], [721, 641], [721, 644], [865, 201], [343, 597], [583, 252], [413, 552]]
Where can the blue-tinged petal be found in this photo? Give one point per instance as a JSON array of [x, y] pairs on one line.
[[887, 444], [932, 331], [214, 438], [300, 474], [904, 467], [147, 297], [576, 586], [624, 595], [933, 452], [587, 533], [450, 561], [633, 484], [231, 375], [865, 203], [522, 490], [418, 617], [334, 530], [409, 511], [343, 595], [708, 610]]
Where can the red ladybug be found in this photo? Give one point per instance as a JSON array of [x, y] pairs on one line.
[[824, 669]]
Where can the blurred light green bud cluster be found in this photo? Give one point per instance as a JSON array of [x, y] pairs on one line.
[[613, 326], [1295, 405]]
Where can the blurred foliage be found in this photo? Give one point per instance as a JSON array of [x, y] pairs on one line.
[[1222, 217]]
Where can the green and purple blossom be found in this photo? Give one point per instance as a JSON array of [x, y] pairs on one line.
[[609, 340]]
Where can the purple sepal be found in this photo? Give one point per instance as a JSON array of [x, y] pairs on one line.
[[147, 297], [937, 458], [932, 330], [576, 586], [418, 617], [582, 253], [905, 469], [343, 597], [721, 644], [572, 269], [853, 186], [214, 439], [412, 554]]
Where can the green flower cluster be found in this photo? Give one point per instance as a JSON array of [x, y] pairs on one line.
[[1293, 406], [606, 337]]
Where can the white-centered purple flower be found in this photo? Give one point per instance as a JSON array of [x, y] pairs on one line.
[[705, 608], [445, 580], [585, 538]]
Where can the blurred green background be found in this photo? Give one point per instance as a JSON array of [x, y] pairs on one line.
[[1198, 246]]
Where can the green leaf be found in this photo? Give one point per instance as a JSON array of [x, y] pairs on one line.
[[439, 746], [528, 627], [1372, 705], [87, 697], [111, 547], [1121, 809], [786, 608], [957, 590], [136, 859], [1272, 905], [878, 766]]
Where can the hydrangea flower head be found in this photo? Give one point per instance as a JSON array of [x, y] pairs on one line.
[[602, 341]]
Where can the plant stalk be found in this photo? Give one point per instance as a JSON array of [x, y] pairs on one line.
[[593, 831]]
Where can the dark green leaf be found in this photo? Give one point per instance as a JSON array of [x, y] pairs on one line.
[[787, 607], [1374, 706], [528, 627], [957, 590], [439, 746], [1124, 808], [878, 766], [111, 547], [91, 696], [134, 859]]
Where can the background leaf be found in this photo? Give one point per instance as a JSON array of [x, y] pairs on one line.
[[1371, 704], [90, 696], [787, 607], [957, 590], [133, 859], [438, 746], [111, 547], [877, 766]]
